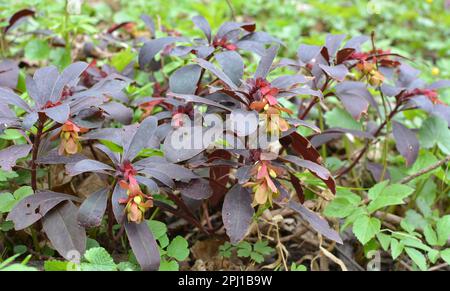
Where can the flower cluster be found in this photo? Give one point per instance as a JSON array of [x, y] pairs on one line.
[[70, 143], [137, 203], [265, 101], [368, 63]]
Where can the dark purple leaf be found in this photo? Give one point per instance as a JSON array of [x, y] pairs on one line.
[[286, 82], [9, 74], [149, 23], [87, 166], [140, 140], [232, 65], [197, 99], [63, 231], [58, 113], [315, 221], [153, 47], [356, 42], [109, 134], [93, 208], [251, 46], [203, 24], [318, 170], [10, 155], [159, 175], [118, 112], [338, 72], [353, 98], [406, 142], [237, 213], [176, 172], [54, 158], [17, 17], [185, 79], [343, 55], [228, 27], [377, 171], [265, 63], [40, 86], [333, 43], [307, 53], [151, 185], [217, 72], [119, 209], [34, 207], [10, 98], [261, 37], [143, 245], [71, 73], [243, 174], [443, 111], [197, 189], [439, 85]]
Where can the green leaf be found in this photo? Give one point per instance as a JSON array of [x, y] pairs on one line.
[[430, 235], [262, 248], [433, 255], [343, 204], [295, 267], [365, 228], [127, 266], [225, 250], [443, 230], [91, 243], [37, 49], [390, 195], [244, 249], [157, 228], [122, 59], [53, 265], [10, 134], [23, 192], [418, 258], [99, 260], [338, 117], [257, 257], [7, 202], [434, 131], [445, 255], [396, 248], [168, 266], [385, 240], [178, 248], [4, 176]]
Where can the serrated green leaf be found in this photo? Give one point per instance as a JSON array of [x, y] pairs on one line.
[[418, 258], [257, 257], [396, 248], [343, 204], [445, 255], [390, 195], [430, 235], [262, 247], [365, 228], [385, 240], [443, 230], [99, 260]]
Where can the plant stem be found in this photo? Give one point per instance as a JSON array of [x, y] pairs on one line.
[[35, 149], [424, 171]]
